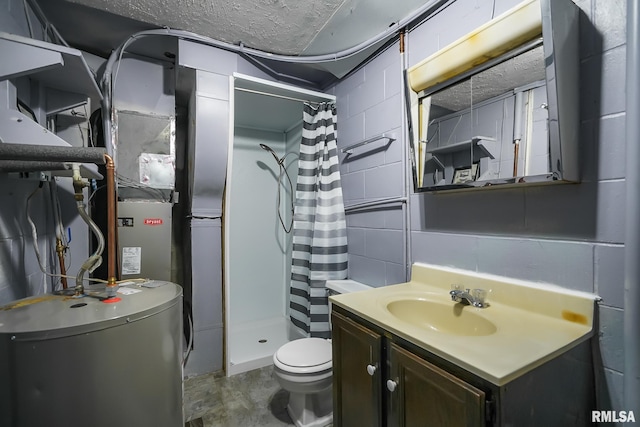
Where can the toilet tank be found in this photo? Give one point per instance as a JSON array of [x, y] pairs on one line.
[[335, 287]]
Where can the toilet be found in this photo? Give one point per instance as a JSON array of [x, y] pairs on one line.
[[303, 367]]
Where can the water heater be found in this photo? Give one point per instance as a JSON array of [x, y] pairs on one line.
[[78, 362]]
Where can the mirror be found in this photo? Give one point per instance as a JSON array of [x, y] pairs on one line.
[[489, 126], [498, 123]]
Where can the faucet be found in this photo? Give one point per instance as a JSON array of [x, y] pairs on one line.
[[473, 297]]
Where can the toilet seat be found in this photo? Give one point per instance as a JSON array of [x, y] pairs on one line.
[[304, 356]]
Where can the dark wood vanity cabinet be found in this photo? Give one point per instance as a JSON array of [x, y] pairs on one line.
[[421, 394], [378, 383], [357, 374], [381, 380]]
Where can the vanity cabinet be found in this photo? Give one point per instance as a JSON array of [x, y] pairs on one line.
[[421, 394], [379, 383], [383, 380], [357, 374]]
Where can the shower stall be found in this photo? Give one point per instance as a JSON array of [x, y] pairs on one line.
[[265, 142]]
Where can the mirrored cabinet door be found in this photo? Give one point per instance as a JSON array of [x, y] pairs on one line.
[[497, 122], [493, 125]]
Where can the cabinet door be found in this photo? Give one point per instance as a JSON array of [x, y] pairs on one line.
[[357, 369], [425, 395]]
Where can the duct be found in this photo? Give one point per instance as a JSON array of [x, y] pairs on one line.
[[632, 237]]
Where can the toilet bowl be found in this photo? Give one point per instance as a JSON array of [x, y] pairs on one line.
[[304, 368]]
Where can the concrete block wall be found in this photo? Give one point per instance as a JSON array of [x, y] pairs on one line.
[[369, 103], [569, 235], [20, 274]]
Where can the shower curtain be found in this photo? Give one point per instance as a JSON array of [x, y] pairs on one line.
[[319, 226]]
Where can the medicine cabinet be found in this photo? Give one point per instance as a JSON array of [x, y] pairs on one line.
[[499, 106]]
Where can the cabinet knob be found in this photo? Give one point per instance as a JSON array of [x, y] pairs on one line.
[[391, 385], [371, 369]]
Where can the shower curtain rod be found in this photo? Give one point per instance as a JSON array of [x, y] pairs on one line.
[[280, 96]]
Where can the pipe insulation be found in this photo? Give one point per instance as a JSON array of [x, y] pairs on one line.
[[31, 166], [48, 153], [632, 231]]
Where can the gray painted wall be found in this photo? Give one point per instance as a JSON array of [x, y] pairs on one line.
[[13, 19], [369, 103], [570, 235], [20, 274]]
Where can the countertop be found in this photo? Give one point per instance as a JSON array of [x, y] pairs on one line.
[[535, 322]]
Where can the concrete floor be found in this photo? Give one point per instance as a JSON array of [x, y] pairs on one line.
[[250, 399]]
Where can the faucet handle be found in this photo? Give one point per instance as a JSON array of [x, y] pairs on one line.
[[479, 296], [455, 290]]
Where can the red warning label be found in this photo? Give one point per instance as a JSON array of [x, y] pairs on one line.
[[153, 221]]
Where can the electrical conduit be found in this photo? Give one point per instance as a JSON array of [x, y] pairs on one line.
[[632, 232]]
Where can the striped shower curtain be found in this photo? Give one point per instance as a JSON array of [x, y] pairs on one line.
[[319, 226]]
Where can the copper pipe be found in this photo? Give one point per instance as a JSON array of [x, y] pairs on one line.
[[111, 222], [516, 153], [402, 41], [63, 269]]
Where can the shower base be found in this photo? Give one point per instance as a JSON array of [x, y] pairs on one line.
[[251, 345]]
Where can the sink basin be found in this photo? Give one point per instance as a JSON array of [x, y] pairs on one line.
[[451, 318]]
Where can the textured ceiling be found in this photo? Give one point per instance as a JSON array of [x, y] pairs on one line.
[[279, 26], [290, 27], [516, 72]]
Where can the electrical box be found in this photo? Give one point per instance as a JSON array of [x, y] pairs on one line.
[[144, 240]]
